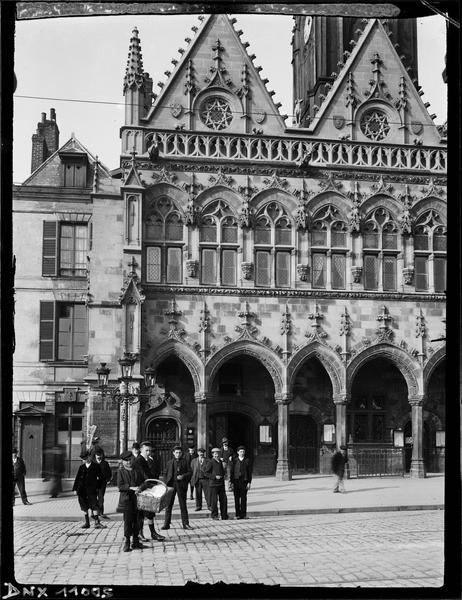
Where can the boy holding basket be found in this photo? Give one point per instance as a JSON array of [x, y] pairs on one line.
[[129, 481]]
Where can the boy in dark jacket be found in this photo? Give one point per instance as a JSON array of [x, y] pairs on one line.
[[19, 473], [339, 460], [241, 477], [129, 481], [86, 484], [215, 471], [177, 476], [106, 474]]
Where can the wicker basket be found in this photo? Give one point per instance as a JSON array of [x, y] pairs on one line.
[[154, 499]]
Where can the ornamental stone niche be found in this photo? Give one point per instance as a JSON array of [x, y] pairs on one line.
[[408, 275], [247, 270], [356, 273], [192, 268], [302, 272]]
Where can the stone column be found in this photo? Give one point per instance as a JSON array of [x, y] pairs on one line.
[[417, 463], [340, 402], [283, 470], [201, 421]]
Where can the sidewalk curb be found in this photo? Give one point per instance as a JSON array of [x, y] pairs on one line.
[[268, 513]]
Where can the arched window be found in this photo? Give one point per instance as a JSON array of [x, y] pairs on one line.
[[273, 244], [380, 251], [430, 253], [218, 245], [163, 237], [328, 249]]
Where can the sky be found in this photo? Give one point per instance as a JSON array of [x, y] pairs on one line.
[[76, 65]]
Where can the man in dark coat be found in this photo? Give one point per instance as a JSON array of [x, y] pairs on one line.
[[86, 484], [199, 479], [215, 472], [227, 455], [241, 477], [129, 481], [190, 456], [339, 460], [148, 468], [19, 474], [177, 476], [96, 447], [106, 474]]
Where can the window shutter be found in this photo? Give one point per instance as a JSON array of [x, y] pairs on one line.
[[47, 331], [439, 270], [371, 281], [49, 248], [319, 270], [263, 274], [338, 271], [389, 273], [153, 264], [174, 265], [208, 266], [228, 267], [421, 273], [283, 268]]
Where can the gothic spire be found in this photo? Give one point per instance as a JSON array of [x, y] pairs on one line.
[[134, 74]]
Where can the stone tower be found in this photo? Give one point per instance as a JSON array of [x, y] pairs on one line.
[[320, 45]]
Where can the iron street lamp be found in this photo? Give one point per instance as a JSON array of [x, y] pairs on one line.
[[125, 393]]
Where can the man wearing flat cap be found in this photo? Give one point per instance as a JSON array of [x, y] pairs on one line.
[[129, 482], [199, 479], [87, 483], [215, 472], [241, 478], [177, 476], [227, 455]]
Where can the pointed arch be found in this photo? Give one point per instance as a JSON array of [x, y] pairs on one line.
[[269, 359], [187, 357], [432, 363], [219, 192], [402, 361], [328, 359], [324, 198], [277, 195]]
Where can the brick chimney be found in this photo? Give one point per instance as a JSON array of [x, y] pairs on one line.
[[45, 141]]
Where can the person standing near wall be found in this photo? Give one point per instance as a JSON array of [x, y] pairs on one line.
[[339, 460], [199, 479], [177, 476], [19, 475], [215, 471], [106, 476], [241, 477]]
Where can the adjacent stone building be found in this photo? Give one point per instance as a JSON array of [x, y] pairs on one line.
[[286, 284]]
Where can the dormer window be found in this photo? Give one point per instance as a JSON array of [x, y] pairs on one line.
[[74, 168]]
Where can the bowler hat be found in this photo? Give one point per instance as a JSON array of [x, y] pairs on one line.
[[224, 440], [136, 446], [201, 450], [215, 449], [127, 455]]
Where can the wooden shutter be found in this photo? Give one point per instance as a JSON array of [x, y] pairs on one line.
[[228, 267], [338, 271], [262, 270], [283, 268], [174, 265], [47, 331], [208, 266], [49, 248]]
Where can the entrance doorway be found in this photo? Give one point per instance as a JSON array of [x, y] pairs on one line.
[[32, 445], [238, 428], [303, 444], [164, 435]]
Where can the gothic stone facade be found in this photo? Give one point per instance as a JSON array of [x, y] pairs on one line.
[[285, 283]]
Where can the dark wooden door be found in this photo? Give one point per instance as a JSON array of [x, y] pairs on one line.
[[303, 444], [238, 428], [163, 435], [32, 446]]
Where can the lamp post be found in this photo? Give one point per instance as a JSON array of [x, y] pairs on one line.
[[125, 393]]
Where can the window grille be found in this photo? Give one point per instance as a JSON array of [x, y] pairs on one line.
[[439, 242], [174, 265], [371, 278], [174, 228], [263, 234], [319, 270], [338, 239], [228, 267], [154, 229], [338, 271], [421, 241], [283, 268], [208, 231], [421, 273], [208, 266], [229, 233], [389, 273], [319, 238], [371, 239], [439, 271], [283, 235], [389, 240], [262, 271], [153, 264]]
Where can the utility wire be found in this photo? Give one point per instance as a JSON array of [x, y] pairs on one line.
[[441, 13], [165, 106]]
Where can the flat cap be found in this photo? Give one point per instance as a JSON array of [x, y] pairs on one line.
[[241, 448], [201, 450], [215, 449], [177, 448], [146, 443], [225, 439], [136, 446], [127, 455]]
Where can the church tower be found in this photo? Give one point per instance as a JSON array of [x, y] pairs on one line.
[[320, 45]]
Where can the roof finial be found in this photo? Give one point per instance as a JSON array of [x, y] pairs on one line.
[[134, 74]]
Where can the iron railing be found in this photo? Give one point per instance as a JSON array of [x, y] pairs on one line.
[[376, 462]]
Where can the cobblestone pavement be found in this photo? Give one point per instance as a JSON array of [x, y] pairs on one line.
[[396, 549]]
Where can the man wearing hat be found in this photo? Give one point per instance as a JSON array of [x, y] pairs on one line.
[[87, 482], [339, 460], [199, 479], [147, 468], [95, 447], [241, 478], [177, 476], [227, 455], [215, 472], [19, 474], [129, 481]]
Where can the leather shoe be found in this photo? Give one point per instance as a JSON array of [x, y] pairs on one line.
[[165, 527], [27, 502], [143, 539], [158, 537], [197, 509], [104, 517], [214, 518], [187, 527], [137, 546]]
